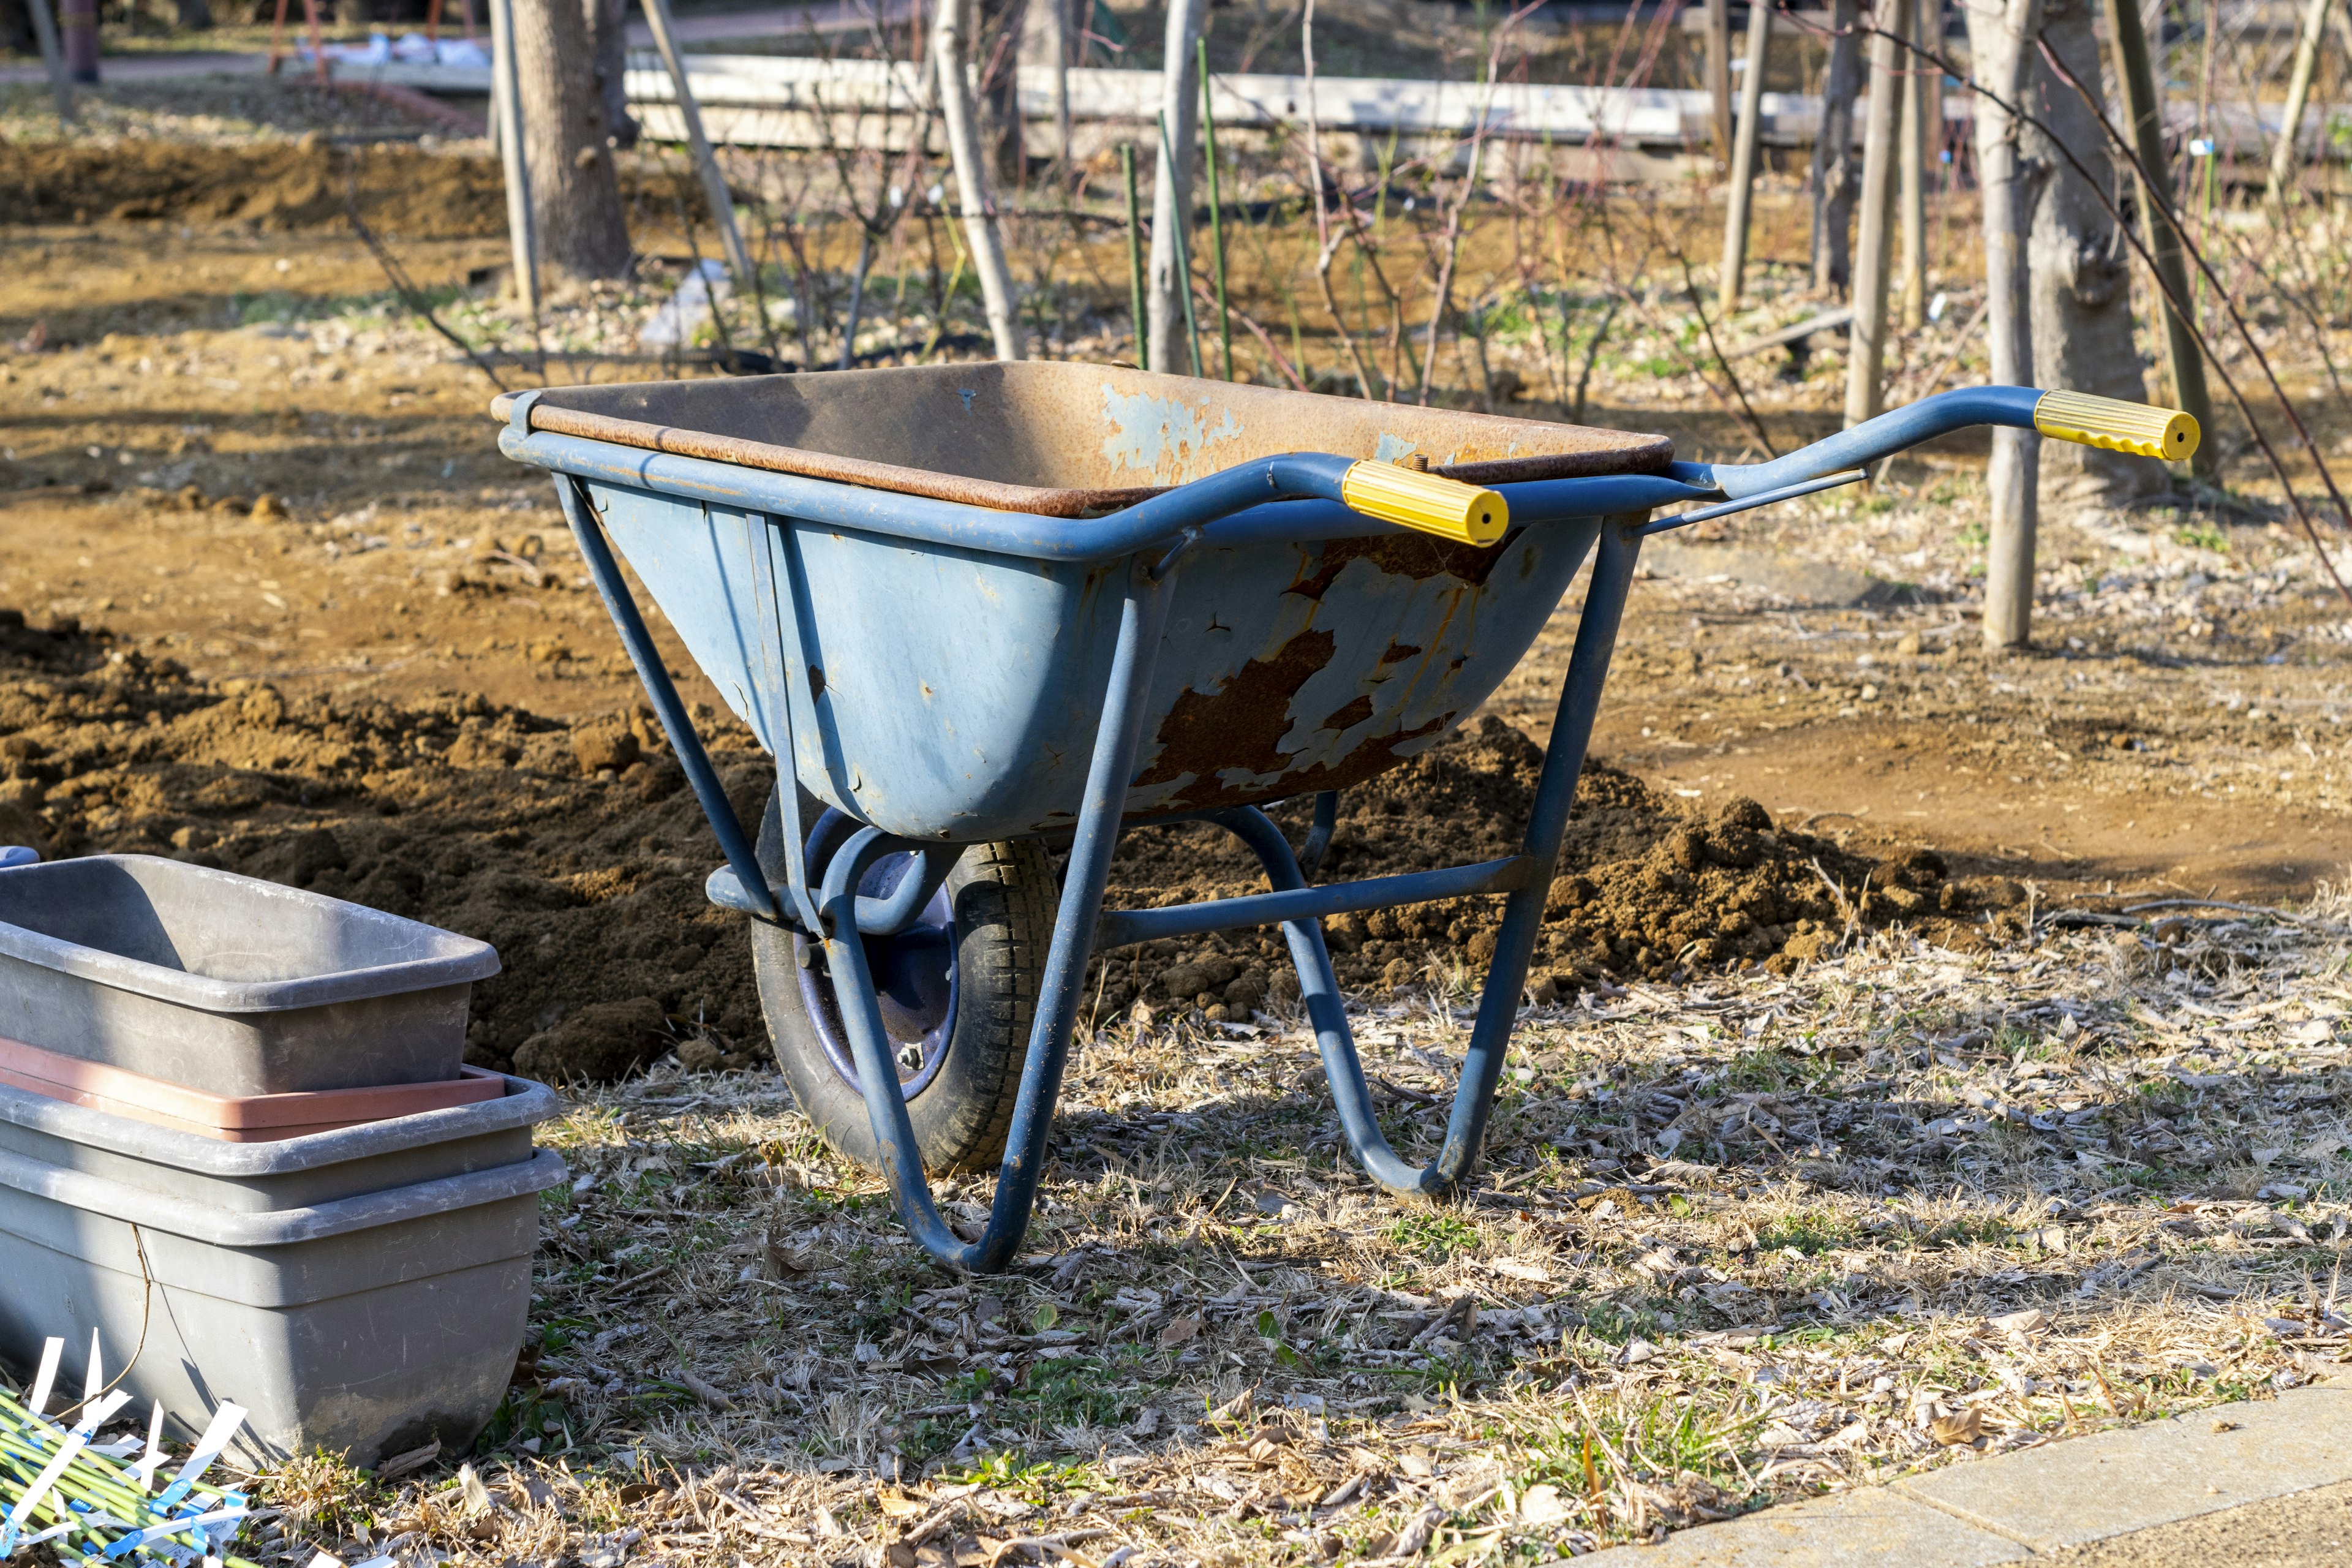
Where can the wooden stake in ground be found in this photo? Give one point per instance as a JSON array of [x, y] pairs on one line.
[[2000, 46], [53, 55], [2184, 366], [1743, 158], [1865, 365], [2298, 94], [1170, 290], [1911, 181], [1835, 176], [506, 115], [706, 162], [960, 117], [1718, 72], [576, 192]]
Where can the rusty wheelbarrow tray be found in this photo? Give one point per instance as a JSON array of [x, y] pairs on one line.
[[998, 605]]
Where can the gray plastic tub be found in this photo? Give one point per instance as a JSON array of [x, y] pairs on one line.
[[291, 1173], [364, 1325], [226, 983]]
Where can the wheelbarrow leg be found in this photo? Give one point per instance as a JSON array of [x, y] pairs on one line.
[[1482, 1067], [1571, 730], [1113, 764]]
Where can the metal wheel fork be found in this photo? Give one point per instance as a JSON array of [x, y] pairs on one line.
[[1141, 617]]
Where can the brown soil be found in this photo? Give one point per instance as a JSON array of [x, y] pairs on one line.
[[279, 186], [269, 186], [1645, 886]]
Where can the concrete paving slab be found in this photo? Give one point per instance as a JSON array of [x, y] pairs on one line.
[[1872, 1528], [2306, 1530], [2089, 1489]]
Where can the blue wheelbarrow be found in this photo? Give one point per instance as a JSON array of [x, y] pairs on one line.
[[981, 611]]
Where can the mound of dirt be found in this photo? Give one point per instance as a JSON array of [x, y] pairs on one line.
[[1647, 889], [577, 852]]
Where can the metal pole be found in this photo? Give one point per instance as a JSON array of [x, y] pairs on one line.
[[2184, 366], [1912, 176], [706, 162], [506, 82], [1718, 72], [1743, 157], [1216, 214], [45, 30], [1135, 256], [1866, 359]]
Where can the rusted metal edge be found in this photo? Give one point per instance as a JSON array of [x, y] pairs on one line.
[[1652, 455]]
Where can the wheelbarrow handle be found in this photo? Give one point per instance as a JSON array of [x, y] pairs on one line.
[[1430, 503], [2078, 417]]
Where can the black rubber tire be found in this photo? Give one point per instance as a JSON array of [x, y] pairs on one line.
[[1002, 896]]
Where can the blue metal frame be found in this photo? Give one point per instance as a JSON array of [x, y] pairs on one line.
[[1151, 538]]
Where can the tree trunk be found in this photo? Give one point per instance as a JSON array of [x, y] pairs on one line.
[[608, 46], [2001, 59], [78, 20], [1046, 34], [1717, 71], [960, 119], [1836, 174], [1732, 279], [1865, 365], [1171, 191], [997, 42], [2081, 272], [575, 196], [2283, 173], [1912, 171]]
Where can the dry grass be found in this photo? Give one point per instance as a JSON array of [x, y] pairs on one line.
[[1736, 1242]]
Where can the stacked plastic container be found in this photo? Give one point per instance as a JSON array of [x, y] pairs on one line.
[[237, 1139]]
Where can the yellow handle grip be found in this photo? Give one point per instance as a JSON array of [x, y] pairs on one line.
[[1430, 503], [2118, 426]]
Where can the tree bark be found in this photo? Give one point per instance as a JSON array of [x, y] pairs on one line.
[[1732, 281], [576, 196], [2283, 173], [1865, 365], [997, 48], [960, 119], [2081, 272], [1045, 33], [1836, 174], [1912, 182], [2001, 59], [2184, 360], [1172, 191], [1717, 70], [608, 46]]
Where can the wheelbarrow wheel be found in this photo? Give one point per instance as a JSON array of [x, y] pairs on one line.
[[959, 990]]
